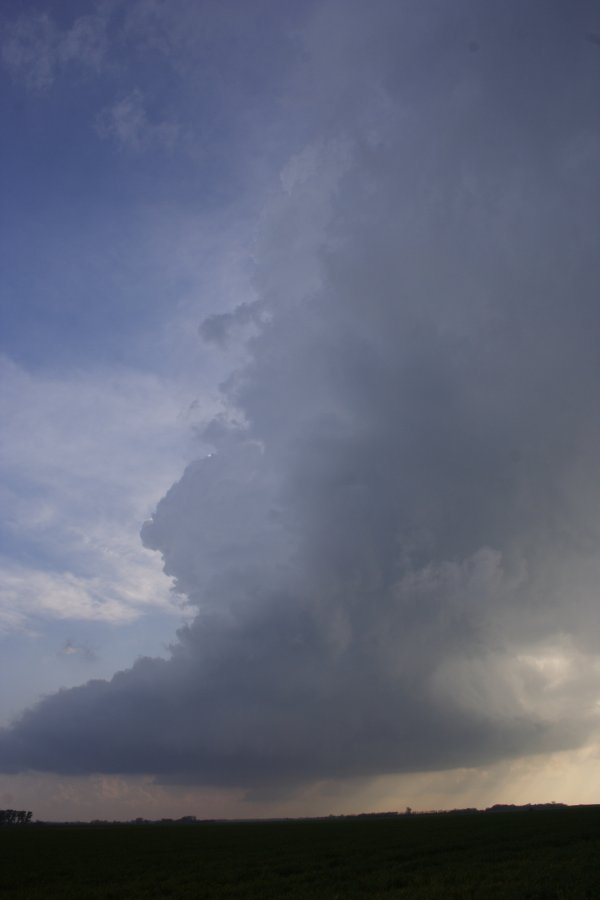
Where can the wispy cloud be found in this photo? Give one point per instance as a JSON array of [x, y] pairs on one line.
[[126, 122], [35, 50], [72, 649]]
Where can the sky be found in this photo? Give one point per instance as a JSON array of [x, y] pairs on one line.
[[299, 382]]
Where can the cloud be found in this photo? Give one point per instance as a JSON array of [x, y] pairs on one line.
[[392, 549], [25, 593], [127, 123], [218, 327], [35, 50], [71, 649]]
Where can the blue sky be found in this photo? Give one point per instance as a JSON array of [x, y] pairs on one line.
[[298, 372]]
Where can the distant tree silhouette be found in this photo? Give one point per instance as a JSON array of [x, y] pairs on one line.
[[14, 817]]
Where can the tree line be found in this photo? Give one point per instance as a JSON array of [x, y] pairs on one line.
[[14, 817]]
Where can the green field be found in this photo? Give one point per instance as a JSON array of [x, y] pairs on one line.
[[543, 853]]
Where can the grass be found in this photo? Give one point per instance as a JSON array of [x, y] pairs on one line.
[[535, 854]]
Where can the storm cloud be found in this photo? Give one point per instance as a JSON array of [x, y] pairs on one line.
[[392, 547]]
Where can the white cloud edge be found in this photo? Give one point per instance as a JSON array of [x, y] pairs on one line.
[[84, 458]]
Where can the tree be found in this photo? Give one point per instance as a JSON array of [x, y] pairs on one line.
[[15, 817]]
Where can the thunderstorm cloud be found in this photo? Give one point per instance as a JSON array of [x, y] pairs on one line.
[[392, 547]]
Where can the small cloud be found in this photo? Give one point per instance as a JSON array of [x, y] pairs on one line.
[[218, 328], [34, 50], [79, 651], [29, 51], [85, 42], [127, 123]]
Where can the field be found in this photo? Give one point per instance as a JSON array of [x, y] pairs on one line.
[[542, 853]]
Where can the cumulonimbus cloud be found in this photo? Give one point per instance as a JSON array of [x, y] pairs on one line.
[[393, 548]]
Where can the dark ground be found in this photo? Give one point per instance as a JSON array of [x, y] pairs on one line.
[[541, 853]]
